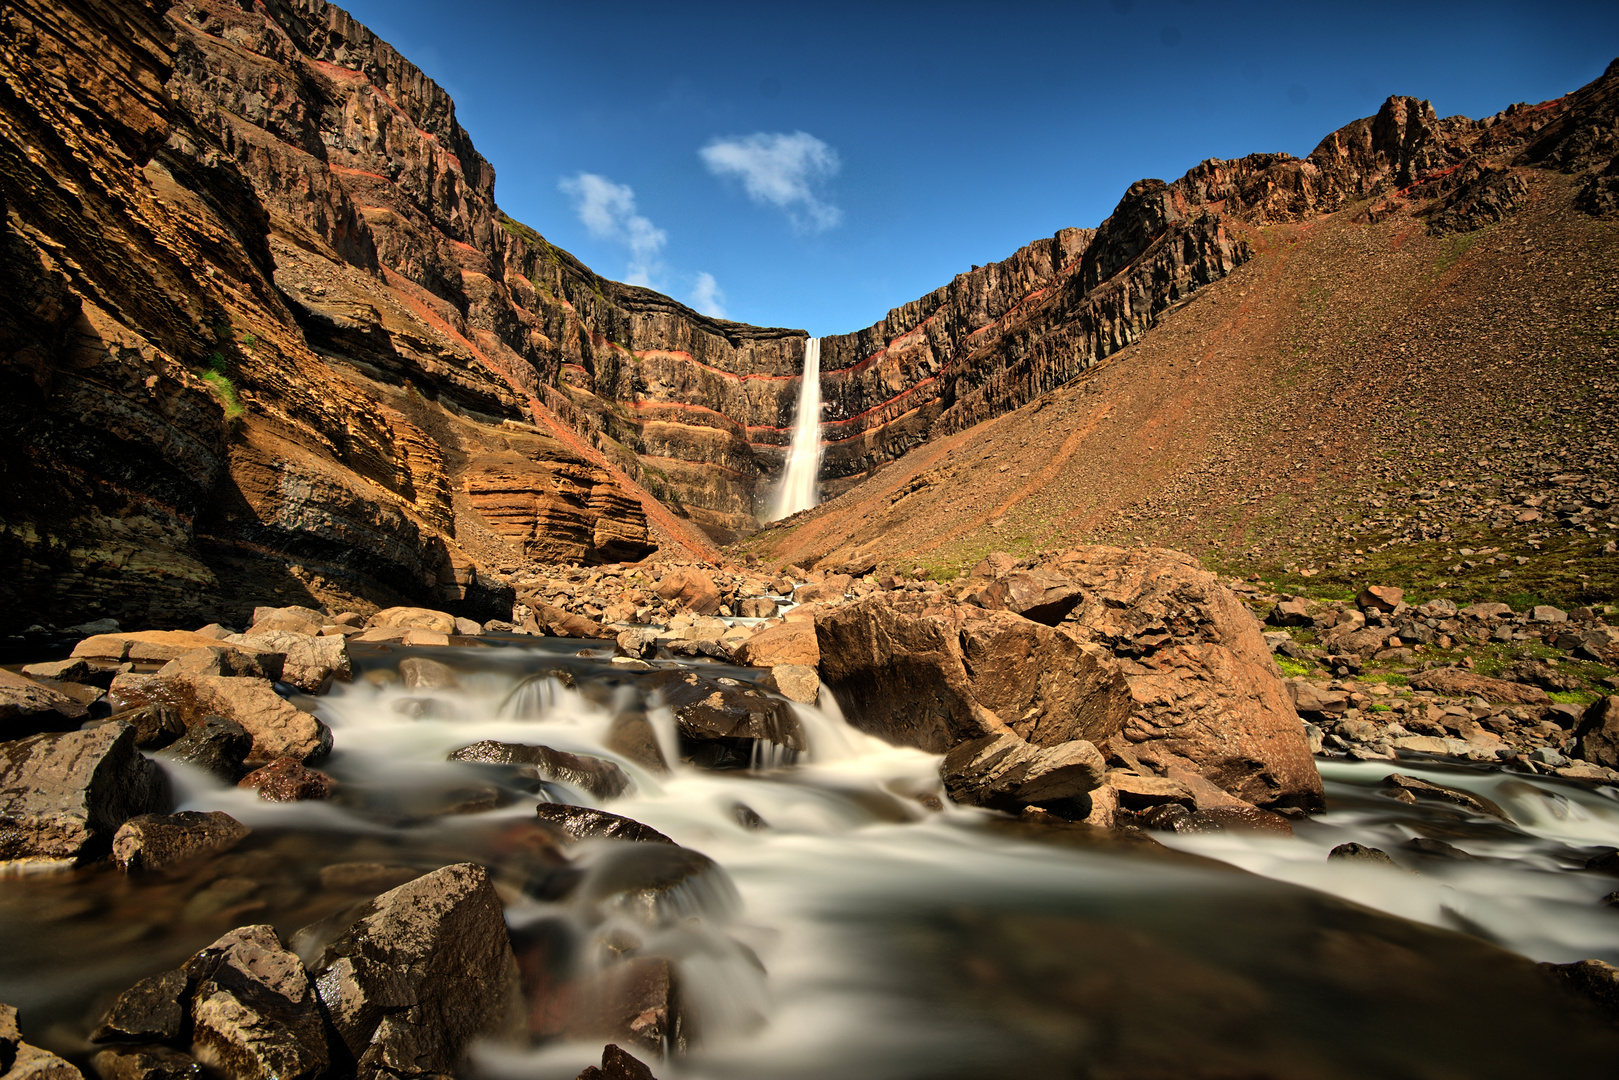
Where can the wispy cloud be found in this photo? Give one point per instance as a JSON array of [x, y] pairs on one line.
[[608, 212], [785, 171], [707, 297]]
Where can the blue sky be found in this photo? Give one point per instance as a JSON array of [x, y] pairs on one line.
[[815, 165]]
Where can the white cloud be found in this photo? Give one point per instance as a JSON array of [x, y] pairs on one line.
[[608, 212], [784, 171], [707, 297]]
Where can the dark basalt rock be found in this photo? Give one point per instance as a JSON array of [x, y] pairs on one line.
[[254, 1013], [426, 968], [720, 720], [600, 778], [1596, 736], [617, 1065], [575, 823], [63, 796], [153, 1010], [1353, 852], [157, 841], [216, 745]]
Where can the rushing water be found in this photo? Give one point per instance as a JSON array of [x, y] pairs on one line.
[[798, 489], [861, 934]]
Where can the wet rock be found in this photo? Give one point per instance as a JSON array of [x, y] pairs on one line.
[[1353, 852], [690, 588], [146, 1063], [310, 663], [1422, 789], [795, 682], [1596, 736], [636, 1000], [214, 744], [219, 660], [788, 643], [422, 673], [426, 968], [631, 737], [277, 727], [28, 707], [288, 780], [617, 1065], [1595, 981], [63, 796], [157, 841], [1034, 594], [1459, 682], [575, 823], [34, 1063], [1249, 819], [1004, 772], [747, 817], [655, 885], [254, 1013], [414, 618], [720, 721], [153, 1010], [1428, 847], [599, 777], [156, 726]]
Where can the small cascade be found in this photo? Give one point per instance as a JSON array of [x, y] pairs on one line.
[[799, 480]]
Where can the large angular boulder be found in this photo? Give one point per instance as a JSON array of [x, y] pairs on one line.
[[691, 588], [153, 1010], [426, 968], [1045, 684], [415, 618], [254, 1014], [64, 795], [1034, 594], [1004, 772], [1206, 693], [215, 745], [1596, 736], [278, 728], [310, 663], [788, 643]]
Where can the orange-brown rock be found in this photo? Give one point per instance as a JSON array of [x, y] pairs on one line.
[[690, 587], [1459, 682], [787, 643]]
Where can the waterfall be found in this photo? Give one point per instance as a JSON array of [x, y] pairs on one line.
[[798, 480]]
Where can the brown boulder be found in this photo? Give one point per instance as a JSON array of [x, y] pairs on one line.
[[832, 587], [146, 1063], [63, 796], [574, 823], [156, 841], [593, 775], [296, 620], [617, 1065], [1206, 693], [1035, 594], [1384, 598], [1459, 682], [1004, 772], [788, 643], [691, 588], [278, 729], [254, 1013], [1596, 736], [558, 623], [224, 661], [414, 618], [145, 646], [425, 969], [721, 722], [900, 676], [1045, 684], [310, 663], [636, 1000], [153, 1010], [288, 780], [27, 707]]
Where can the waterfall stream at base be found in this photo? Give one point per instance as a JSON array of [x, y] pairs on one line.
[[852, 927], [798, 490]]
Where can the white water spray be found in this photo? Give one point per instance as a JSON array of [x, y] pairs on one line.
[[798, 489]]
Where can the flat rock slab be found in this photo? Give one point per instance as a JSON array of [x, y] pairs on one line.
[[1006, 773], [27, 705], [279, 729], [426, 968], [63, 796]]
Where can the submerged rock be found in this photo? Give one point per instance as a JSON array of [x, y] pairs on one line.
[[426, 968], [157, 841], [576, 823], [146, 1063], [1593, 980], [63, 796], [1353, 852]]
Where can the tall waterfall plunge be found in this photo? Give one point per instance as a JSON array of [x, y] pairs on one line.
[[798, 489]]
